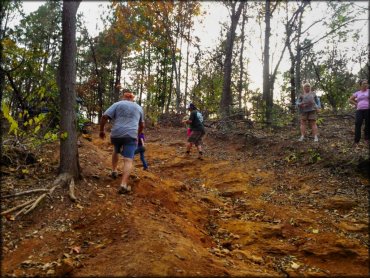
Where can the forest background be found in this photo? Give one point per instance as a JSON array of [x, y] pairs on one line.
[[247, 62]]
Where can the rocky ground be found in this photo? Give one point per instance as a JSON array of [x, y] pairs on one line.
[[259, 204]]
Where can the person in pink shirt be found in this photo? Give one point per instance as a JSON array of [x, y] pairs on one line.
[[361, 100]]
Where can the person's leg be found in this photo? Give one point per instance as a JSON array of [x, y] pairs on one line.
[[367, 124], [114, 161], [128, 154], [303, 129], [358, 123], [127, 167], [198, 144], [116, 149], [142, 158], [200, 151], [314, 129], [188, 147]]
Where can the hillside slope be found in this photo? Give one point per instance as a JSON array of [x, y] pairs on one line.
[[256, 205]]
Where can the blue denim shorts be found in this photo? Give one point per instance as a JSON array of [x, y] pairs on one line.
[[126, 146]]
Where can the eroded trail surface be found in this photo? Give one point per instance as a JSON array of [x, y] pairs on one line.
[[242, 211]]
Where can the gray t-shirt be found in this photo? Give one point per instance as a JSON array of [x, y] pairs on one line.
[[126, 116]]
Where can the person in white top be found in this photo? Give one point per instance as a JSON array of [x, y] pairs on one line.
[[308, 105]]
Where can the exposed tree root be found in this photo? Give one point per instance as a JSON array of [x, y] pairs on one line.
[[72, 190], [61, 181], [25, 192], [18, 207]]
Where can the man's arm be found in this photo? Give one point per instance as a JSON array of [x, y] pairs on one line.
[[103, 121]]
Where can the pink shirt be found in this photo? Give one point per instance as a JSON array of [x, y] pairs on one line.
[[362, 99]]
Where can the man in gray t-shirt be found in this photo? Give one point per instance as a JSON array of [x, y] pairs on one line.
[[128, 120]]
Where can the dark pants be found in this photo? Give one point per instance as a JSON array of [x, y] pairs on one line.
[[140, 150], [362, 115]]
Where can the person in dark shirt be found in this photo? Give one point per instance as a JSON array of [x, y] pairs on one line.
[[197, 130]]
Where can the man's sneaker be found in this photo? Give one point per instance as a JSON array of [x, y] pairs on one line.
[[123, 189], [316, 139], [301, 139], [114, 174]]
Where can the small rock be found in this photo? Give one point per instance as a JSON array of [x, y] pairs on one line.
[[180, 257], [50, 272], [66, 267], [295, 265], [338, 202]]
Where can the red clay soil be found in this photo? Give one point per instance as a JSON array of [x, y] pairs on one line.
[[244, 210]]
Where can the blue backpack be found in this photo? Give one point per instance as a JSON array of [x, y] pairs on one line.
[[200, 116]]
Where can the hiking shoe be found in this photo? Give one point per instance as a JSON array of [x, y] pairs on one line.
[[301, 139], [123, 189], [114, 174], [316, 139]]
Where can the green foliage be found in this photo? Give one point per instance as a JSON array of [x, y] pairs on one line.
[[51, 136], [208, 92], [153, 115], [64, 135], [13, 123], [81, 121], [320, 121], [292, 157], [314, 156]]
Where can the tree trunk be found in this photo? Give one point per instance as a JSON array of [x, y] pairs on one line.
[[164, 82], [292, 87], [149, 80], [368, 53], [226, 98], [241, 64], [298, 58], [171, 86], [99, 77], [142, 76], [117, 82], [69, 162], [266, 65], [100, 95], [187, 71], [178, 79], [2, 73], [177, 88]]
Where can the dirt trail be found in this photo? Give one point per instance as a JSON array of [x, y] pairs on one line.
[[230, 214]]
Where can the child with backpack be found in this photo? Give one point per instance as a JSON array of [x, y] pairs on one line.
[[197, 130]]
